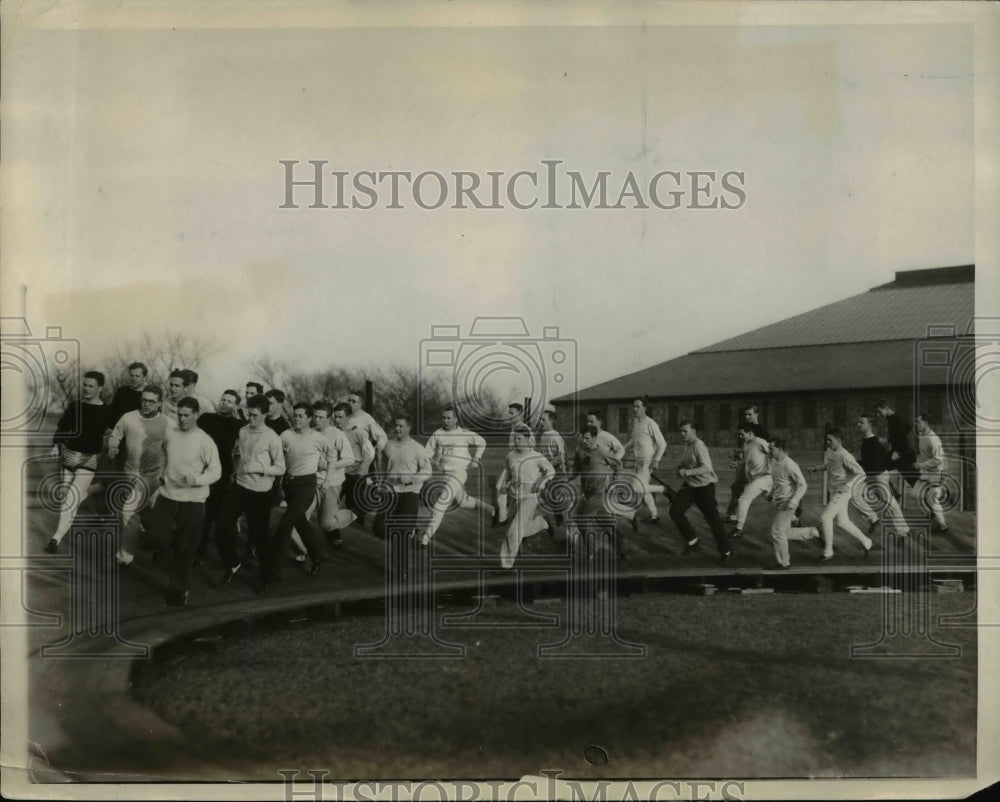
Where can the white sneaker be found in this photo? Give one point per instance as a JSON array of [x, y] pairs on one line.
[[425, 539]]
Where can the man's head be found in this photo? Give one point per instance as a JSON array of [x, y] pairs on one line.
[[137, 373], [192, 378], [150, 400], [689, 431], [403, 424], [228, 402], [323, 415], [177, 384], [548, 420], [302, 413], [275, 403], [865, 425], [254, 388], [751, 413], [882, 408], [639, 408], [354, 398], [257, 406], [449, 418], [341, 412], [834, 438], [778, 448], [90, 387], [588, 437], [187, 413], [515, 413], [595, 417], [922, 423], [522, 435], [748, 432]]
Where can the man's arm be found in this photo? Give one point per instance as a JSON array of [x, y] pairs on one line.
[[935, 460], [661, 443], [116, 437], [276, 450], [381, 438], [704, 460], [478, 447], [211, 466], [800, 488]]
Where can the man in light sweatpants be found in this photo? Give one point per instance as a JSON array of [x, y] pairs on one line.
[[523, 477], [756, 473], [648, 446], [789, 487], [931, 463], [843, 472]]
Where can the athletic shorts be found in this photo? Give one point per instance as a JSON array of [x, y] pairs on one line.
[[78, 461]]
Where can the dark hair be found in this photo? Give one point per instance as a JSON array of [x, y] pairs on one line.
[[753, 428], [343, 406], [684, 423], [593, 431], [233, 393], [834, 431], [96, 375], [448, 408], [139, 366], [183, 375], [515, 405], [258, 402], [358, 393], [303, 405], [403, 416], [750, 407], [778, 442], [155, 389], [882, 404], [551, 413], [597, 414], [522, 428], [194, 376], [323, 406], [189, 403], [277, 395], [922, 414], [257, 386], [868, 416]]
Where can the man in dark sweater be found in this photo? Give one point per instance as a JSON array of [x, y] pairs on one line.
[[224, 428], [903, 456], [874, 458], [127, 396]]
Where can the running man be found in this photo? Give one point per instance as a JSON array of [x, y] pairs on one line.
[[407, 468], [648, 446], [595, 467], [874, 458], [789, 487], [364, 454], [304, 450], [261, 461], [515, 416], [78, 443], [698, 489], [608, 441], [525, 474], [749, 414], [552, 446], [177, 510], [454, 451], [359, 419], [754, 471], [142, 434], [843, 473], [931, 464], [340, 458], [224, 428], [902, 456]]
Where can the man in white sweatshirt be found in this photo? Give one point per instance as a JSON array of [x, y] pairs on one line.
[[756, 473], [788, 488], [931, 464], [843, 473], [648, 446], [190, 465]]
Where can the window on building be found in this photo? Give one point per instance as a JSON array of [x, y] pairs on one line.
[[698, 414], [624, 419], [809, 413], [673, 417], [933, 406], [781, 414], [725, 417], [840, 412]]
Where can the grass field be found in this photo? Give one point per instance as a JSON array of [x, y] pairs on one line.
[[732, 686]]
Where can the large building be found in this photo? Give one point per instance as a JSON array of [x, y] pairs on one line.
[[909, 341]]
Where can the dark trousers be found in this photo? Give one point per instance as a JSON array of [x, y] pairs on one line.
[[905, 467], [257, 508], [213, 506], [185, 520], [404, 551], [704, 499], [350, 493], [407, 506], [300, 493]]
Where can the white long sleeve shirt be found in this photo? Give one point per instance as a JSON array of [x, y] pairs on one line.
[[190, 465]]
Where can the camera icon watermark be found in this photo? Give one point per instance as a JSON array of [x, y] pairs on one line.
[[957, 381], [33, 367], [484, 367]]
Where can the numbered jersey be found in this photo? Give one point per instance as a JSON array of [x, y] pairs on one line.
[[452, 450]]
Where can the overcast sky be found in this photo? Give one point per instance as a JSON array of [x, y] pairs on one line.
[[149, 161]]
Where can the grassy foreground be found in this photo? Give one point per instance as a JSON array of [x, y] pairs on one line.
[[731, 686]]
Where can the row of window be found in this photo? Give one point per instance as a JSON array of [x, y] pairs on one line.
[[779, 413]]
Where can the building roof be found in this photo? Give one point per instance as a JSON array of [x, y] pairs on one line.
[[868, 340]]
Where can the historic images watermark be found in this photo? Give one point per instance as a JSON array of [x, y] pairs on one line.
[[547, 186]]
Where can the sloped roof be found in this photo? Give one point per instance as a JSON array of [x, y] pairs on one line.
[[865, 341]]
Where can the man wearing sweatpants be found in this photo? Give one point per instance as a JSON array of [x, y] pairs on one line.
[[698, 489], [931, 463], [843, 473], [756, 473], [789, 487]]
